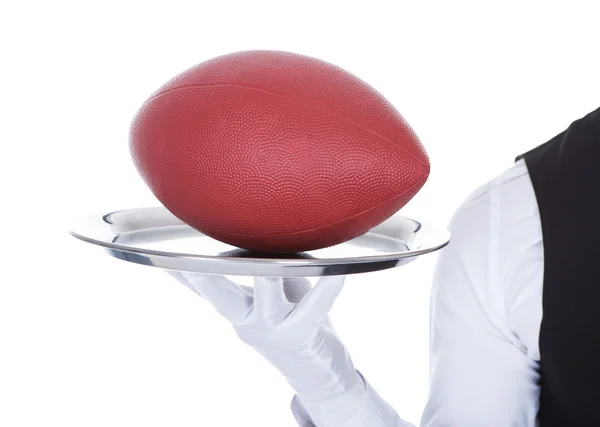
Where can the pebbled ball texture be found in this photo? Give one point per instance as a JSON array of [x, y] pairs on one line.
[[276, 152]]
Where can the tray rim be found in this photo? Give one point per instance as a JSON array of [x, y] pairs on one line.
[[279, 261]]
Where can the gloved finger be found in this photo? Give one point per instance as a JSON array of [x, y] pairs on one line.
[[296, 288], [231, 301], [179, 277], [269, 296], [316, 305]]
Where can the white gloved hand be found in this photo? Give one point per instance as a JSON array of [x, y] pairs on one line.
[[287, 322]]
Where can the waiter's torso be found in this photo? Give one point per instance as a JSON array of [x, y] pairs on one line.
[[565, 173]]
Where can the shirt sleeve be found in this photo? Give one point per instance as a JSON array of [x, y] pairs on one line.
[[486, 310]]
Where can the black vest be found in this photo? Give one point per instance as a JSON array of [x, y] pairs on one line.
[[565, 173]]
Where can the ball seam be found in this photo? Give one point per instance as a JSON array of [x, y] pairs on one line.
[[269, 92]]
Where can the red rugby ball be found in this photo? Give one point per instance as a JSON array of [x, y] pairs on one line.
[[276, 152]]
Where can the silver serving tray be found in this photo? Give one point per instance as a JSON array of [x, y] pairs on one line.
[[155, 237]]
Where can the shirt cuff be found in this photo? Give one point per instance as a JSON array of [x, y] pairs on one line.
[[373, 411]]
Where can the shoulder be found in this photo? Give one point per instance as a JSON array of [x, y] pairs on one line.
[[497, 203], [493, 221]]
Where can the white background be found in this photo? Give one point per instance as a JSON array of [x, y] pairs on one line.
[[86, 340]]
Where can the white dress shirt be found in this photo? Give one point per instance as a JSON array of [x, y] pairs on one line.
[[486, 311]]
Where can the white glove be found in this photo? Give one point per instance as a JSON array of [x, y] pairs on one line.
[[287, 322]]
